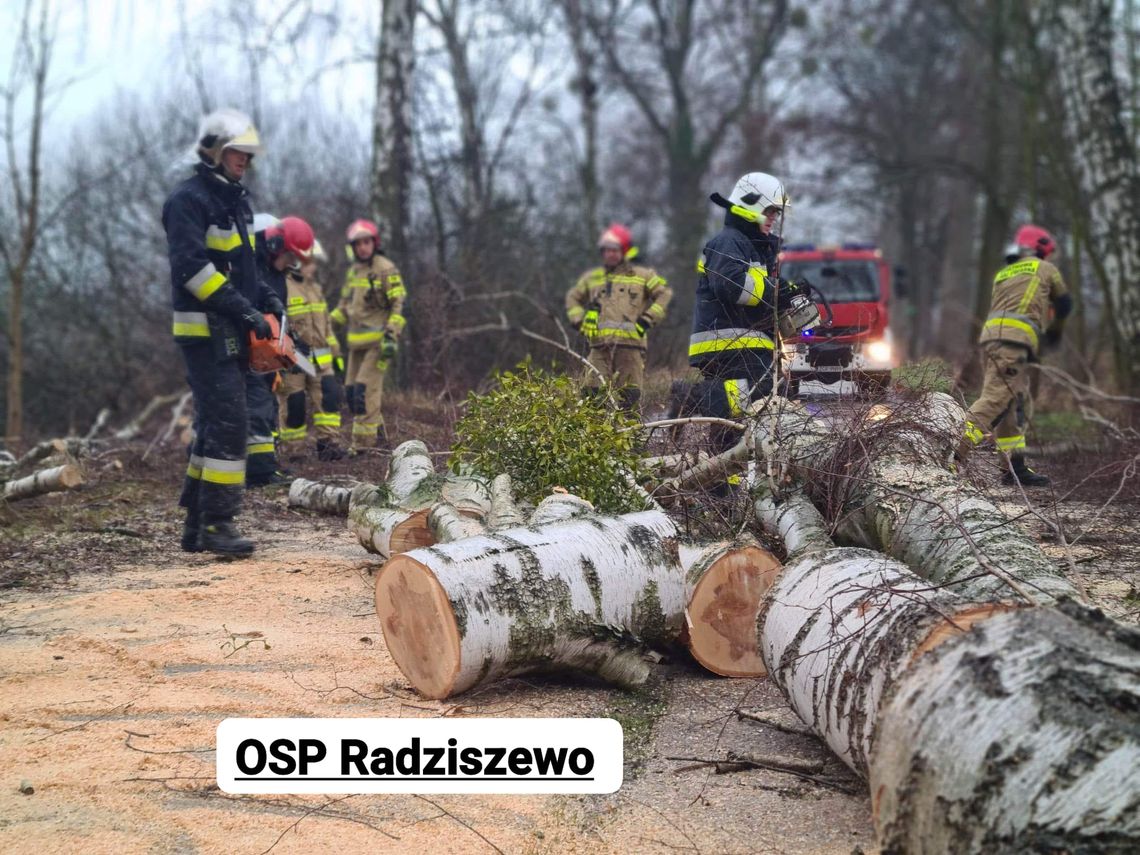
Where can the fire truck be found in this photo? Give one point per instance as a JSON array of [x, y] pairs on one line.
[[856, 346]]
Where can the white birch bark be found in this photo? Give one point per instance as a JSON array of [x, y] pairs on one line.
[[504, 512], [321, 497], [447, 524], [1078, 37], [65, 477], [580, 595]]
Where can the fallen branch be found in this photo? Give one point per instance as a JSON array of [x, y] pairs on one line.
[[135, 425], [65, 477]]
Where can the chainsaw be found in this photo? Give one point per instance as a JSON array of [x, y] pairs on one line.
[[278, 352]]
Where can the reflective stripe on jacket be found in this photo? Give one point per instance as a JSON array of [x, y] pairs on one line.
[[1022, 296], [616, 300], [372, 302]]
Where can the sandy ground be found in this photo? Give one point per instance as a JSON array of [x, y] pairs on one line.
[[111, 688]]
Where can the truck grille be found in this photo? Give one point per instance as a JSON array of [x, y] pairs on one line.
[[837, 332]]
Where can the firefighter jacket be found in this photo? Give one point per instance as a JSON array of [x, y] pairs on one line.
[[213, 273], [371, 302], [309, 320], [607, 305], [1024, 292], [736, 295]]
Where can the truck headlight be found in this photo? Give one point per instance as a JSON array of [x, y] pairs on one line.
[[879, 351]]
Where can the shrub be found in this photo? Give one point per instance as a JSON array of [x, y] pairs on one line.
[[538, 428]]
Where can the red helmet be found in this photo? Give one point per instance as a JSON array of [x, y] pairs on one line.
[[1036, 240], [293, 235], [616, 235], [362, 229]]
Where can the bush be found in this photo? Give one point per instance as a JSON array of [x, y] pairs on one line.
[[538, 428], [930, 375]]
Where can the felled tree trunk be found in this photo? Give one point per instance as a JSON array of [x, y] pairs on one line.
[[582, 595], [65, 477], [321, 497], [981, 727], [392, 517]]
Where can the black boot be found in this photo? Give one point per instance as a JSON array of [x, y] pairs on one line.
[[327, 450], [221, 537], [190, 533], [269, 479], [1023, 474]]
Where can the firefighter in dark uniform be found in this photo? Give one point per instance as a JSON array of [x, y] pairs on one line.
[[738, 293], [1028, 308], [281, 245], [218, 300]]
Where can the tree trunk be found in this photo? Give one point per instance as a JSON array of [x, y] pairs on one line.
[[981, 728], [1078, 36], [65, 477], [582, 595], [321, 497], [392, 161]]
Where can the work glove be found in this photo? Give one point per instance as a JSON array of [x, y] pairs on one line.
[[388, 347], [255, 322], [274, 306], [788, 291], [642, 326], [1052, 338]]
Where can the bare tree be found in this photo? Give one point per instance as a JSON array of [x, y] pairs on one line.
[[1077, 35], [392, 160], [585, 85], [31, 61]]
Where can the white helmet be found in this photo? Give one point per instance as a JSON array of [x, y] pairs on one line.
[[263, 221], [752, 194], [318, 253], [224, 129]]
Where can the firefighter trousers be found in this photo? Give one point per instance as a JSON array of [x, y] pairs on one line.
[[621, 367], [261, 407], [727, 388], [1006, 403], [293, 396], [215, 476], [365, 377]]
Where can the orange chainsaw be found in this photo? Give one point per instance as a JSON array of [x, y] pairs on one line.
[[278, 352]]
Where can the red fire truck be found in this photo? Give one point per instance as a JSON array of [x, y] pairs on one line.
[[857, 346]]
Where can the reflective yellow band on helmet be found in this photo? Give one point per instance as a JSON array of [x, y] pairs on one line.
[[745, 214], [1010, 443], [205, 282], [737, 393], [191, 325], [1001, 323], [217, 471]]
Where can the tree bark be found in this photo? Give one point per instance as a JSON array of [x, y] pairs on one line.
[[582, 595], [65, 477], [321, 497], [980, 727], [1078, 37], [392, 160]]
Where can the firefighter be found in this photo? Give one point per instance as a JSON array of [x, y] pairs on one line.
[[1026, 292], [309, 321], [371, 309], [218, 300], [738, 294], [282, 245], [614, 306]]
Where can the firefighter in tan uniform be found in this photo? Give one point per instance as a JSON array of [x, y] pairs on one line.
[[614, 306], [1028, 309], [371, 306], [309, 321]]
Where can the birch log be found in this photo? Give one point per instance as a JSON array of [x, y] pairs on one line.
[[981, 727], [582, 595], [320, 496], [65, 477]]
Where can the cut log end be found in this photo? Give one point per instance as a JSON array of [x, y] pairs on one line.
[[960, 622], [721, 615], [419, 626], [412, 533]]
